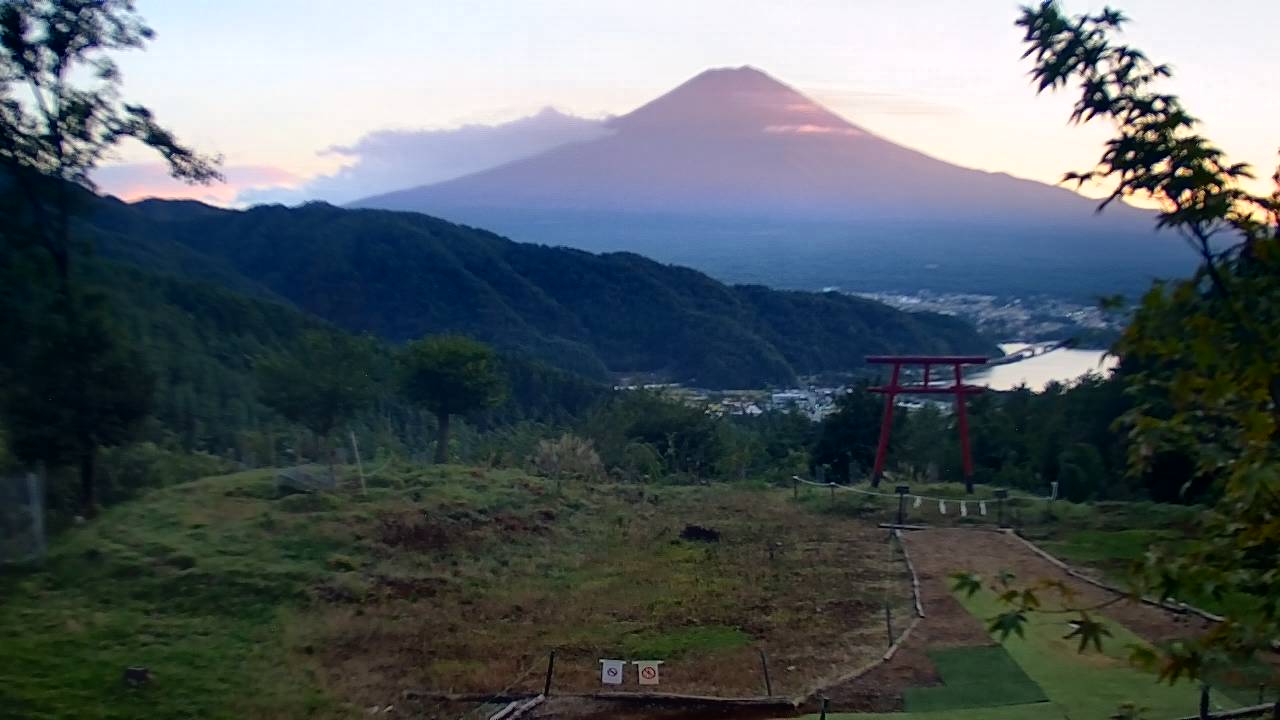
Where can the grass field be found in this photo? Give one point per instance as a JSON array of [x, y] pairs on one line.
[[247, 604], [1077, 685]]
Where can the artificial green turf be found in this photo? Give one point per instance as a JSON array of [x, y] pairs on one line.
[[1086, 686], [1036, 711], [1089, 684], [974, 677]]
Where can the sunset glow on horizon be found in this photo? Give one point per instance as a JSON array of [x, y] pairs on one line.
[[273, 87]]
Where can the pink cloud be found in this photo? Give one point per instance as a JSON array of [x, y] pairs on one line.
[[151, 180], [812, 130]]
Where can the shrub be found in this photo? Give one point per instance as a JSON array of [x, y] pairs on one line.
[[569, 456]]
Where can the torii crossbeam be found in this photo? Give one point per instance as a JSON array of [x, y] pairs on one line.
[[926, 387]]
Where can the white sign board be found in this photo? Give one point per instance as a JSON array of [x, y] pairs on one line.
[[611, 671], [648, 671]]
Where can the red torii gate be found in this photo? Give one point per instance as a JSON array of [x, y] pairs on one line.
[[958, 388]]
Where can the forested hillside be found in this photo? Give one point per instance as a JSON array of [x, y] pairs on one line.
[[403, 275], [200, 343]]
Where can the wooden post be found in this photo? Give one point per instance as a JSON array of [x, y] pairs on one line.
[[795, 487], [551, 669], [764, 663], [1204, 702], [1000, 496], [832, 488], [902, 503], [888, 621], [823, 714], [364, 490]]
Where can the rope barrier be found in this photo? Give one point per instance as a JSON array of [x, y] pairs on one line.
[[942, 502]]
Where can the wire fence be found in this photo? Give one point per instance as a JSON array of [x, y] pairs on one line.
[[22, 530]]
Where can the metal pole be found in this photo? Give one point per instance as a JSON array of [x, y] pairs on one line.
[[551, 669], [764, 663]]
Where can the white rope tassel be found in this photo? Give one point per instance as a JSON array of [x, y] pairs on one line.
[[964, 509], [982, 508], [918, 501], [942, 506]]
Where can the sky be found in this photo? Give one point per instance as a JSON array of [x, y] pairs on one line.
[[312, 98]]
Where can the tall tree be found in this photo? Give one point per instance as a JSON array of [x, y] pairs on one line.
[[450, 375], [324, 380], [61, 114], [1207, 384], [61, 412]]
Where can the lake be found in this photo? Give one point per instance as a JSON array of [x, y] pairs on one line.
[[1061, 365]]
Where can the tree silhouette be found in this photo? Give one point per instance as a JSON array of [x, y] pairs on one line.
[[61, 114], [450, 375], [320, 383]]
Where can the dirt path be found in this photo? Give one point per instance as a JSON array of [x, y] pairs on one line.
[[939, 553]]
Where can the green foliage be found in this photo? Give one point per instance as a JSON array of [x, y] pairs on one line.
[[450, 375], [77, 387], [324, 380], [686, 440], [1208, 385], [848, 437]]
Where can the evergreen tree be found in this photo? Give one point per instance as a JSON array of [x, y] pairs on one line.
[[450, 375], [320, 383]]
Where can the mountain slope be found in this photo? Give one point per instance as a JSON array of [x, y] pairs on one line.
[[402, 275], [733, 147]]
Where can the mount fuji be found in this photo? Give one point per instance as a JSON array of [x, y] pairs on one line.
[[744, 177]]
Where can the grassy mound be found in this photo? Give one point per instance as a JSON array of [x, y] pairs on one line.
[[244, 603]]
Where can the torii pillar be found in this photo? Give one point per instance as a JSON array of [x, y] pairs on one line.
[[926, 387]]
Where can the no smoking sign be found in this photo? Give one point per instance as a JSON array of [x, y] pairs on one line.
[[648, 671], [612, 671]]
